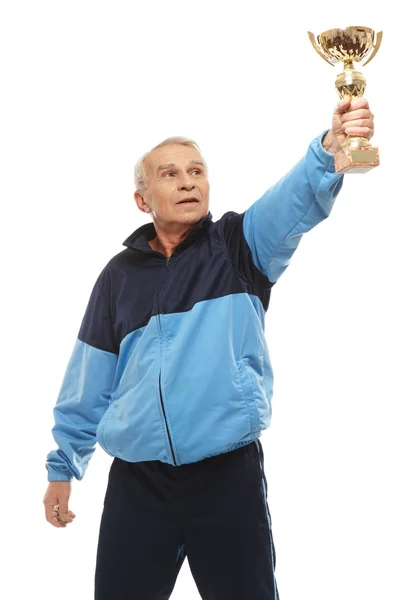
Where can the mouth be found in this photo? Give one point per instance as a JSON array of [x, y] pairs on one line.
[[191, 200]]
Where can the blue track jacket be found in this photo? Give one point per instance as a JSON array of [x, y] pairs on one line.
[[171, 361]]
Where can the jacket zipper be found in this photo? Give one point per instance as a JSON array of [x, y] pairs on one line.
[[162, 403], [165, 418]]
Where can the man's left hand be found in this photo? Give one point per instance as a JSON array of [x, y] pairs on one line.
[[350, 118]]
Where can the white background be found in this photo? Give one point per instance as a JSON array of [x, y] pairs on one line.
[[88, 87]]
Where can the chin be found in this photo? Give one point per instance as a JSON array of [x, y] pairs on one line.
[[193, 212]]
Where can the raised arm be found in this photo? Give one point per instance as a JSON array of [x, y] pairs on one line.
[[267, 234], [274, 225]]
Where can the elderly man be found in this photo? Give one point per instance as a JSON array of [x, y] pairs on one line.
[[171, 374]]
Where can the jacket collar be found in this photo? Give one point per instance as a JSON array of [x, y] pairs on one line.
[[138, 240]]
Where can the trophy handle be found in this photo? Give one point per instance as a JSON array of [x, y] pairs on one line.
[[318, 49], [376, 47]]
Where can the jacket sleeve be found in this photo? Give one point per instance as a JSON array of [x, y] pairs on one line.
[[85, 390], [272, 227]]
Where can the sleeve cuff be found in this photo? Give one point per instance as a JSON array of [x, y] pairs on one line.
[[59, 477], [326, 158]]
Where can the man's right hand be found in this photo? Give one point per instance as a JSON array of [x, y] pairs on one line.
[[56, 503]]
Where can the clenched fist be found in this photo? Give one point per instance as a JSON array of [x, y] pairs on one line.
[[56, 503], [350, 118]]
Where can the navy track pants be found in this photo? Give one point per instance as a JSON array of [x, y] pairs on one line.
[[214, 512]]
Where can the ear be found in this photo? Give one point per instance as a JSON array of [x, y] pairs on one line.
[[140, 201]]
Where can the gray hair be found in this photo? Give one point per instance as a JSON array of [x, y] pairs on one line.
[[139, 173]]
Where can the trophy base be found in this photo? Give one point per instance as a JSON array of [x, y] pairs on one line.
[[356, 160]]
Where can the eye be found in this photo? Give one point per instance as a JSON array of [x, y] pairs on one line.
[[168, 173]]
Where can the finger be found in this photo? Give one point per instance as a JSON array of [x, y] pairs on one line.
[[50, 510], [52, 515], [63, 511], [60, 522], [359, 131], [362, 113], [65, 519], [343, 105], [68, 519], [359, 123], [357, 103]]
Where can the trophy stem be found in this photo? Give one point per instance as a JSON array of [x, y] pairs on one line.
[[350, 82]]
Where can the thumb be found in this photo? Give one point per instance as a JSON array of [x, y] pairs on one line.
[[63, 509], [343, 105]]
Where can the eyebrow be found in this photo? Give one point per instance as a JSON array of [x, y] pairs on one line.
[[172, 165]]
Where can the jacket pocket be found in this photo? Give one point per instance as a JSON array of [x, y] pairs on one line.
[[248, 391], [100, 430]]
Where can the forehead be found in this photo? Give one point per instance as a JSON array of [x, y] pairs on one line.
[[173, 153]]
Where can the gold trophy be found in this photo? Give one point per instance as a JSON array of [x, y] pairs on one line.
[[348, 46]]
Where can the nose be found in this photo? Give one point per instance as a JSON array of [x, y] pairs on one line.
[[185, 183]]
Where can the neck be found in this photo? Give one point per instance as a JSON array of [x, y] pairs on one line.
[[167, 242], [167, 248]]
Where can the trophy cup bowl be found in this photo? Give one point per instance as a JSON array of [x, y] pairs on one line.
[[348, 46]]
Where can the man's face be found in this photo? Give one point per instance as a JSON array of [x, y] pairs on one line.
[[175, 172]]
